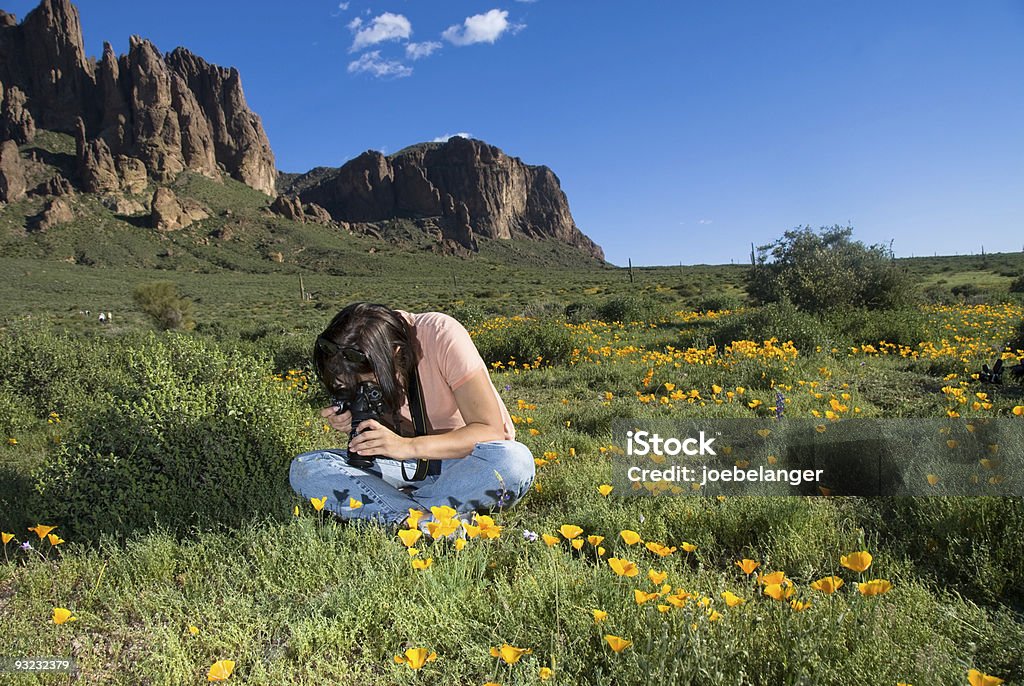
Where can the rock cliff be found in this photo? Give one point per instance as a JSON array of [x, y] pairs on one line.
[[474, 187], [172, 112], [145, 117]]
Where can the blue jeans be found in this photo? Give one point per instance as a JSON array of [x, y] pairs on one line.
[[495, 475]]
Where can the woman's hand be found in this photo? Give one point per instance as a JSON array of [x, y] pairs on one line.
[[375, 439], [342, 422]]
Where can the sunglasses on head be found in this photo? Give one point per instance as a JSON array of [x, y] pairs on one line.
[[354, 355]]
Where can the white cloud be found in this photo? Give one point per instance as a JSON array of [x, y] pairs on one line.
[[355, 24], [385, 27], [344, 6], [371, 63], [705, 221], [415, 51], [480, 28], [444, 138]]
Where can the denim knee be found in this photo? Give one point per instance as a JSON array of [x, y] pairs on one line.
[[512, 460], [326, 474], [302, 465]]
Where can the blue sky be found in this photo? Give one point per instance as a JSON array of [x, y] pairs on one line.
[[681, 131]]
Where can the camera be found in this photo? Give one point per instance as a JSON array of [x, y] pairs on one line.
[[367, 402]]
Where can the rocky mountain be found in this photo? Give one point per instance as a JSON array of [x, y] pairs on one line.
[[141, 119], [143, 112], [462, 189]]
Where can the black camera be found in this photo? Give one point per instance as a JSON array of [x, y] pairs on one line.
[[367, 402]]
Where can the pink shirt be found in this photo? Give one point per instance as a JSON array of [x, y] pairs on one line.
[[448, 359]]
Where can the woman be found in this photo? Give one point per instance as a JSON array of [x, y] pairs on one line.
[[474, 462]]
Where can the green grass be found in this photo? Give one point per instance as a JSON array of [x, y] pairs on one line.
[[303, 602], [306, 600]]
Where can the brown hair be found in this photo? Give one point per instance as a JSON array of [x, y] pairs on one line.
[[383, 336]]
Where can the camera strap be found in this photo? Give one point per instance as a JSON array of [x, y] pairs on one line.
[[423, 467]]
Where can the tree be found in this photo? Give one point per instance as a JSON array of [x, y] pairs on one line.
[[823, 270], [160, 300]]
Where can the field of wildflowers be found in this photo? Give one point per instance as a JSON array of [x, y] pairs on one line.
[[577, 584]]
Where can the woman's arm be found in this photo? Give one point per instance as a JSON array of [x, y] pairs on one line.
[[479, 409]]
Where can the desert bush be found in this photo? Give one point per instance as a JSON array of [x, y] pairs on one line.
[[630, 308], [937, 294], [856, 326], [718, 302], [50, 372], [967, 291], [699, 334], [1017, 341], [161, 301], [579, 312], [293, 351], [469, 314], [972, 543], [1017, 285], [219, 330], [542, 310], [279, 349], [819, 271], [685, 289], [195, 436], [524, 340], [777, 320], [15, 416]]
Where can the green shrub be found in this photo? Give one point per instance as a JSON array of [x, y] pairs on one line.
[[218, 330], [293, 351], [579, 312], [686, 289], [161, 301], [718, 302], [937, 294], [819, 271], [1017, 341], [524, 340], [778, 320], [967, 291], [542, 310], [56, 372], [630, 308], [699, 334], [968, 543], [264, 330], [1017, 285], [855, 326], [195, 436], [470, 315], [272, 348], [15, 416]]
